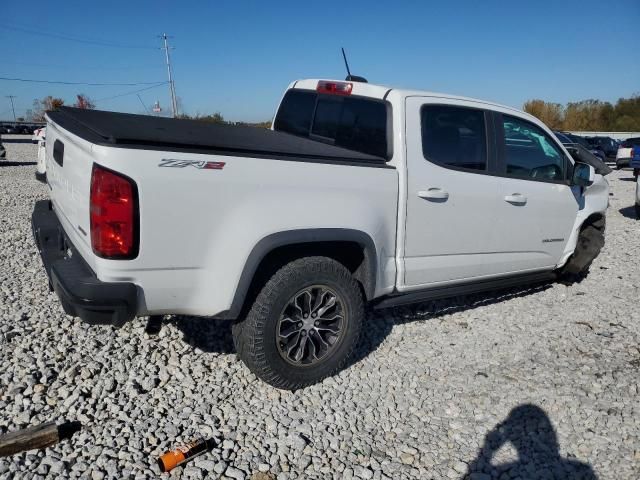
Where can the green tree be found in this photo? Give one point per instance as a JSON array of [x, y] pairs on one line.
[[586, 115], [627, 114], [211, 118], [551, 114], [48, 103], [84, 102]]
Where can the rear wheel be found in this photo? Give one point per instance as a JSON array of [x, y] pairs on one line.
[[303, 325], [638, 210]]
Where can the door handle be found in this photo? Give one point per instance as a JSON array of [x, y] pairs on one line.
[[516, 199], [433, 194]]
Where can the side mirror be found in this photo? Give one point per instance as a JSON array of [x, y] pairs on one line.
[[583, 175]]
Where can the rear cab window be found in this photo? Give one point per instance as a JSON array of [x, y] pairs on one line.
[[356, 123]]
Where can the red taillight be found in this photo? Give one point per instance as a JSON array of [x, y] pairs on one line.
[[335, 88], [113, 214]]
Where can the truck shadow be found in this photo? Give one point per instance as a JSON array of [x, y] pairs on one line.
[[211, 335], [379, 323], [10, 163], [530, 431], [16, 140], [205, 333]]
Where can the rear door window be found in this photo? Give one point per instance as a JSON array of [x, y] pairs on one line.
[[356, 123], [454, 137]]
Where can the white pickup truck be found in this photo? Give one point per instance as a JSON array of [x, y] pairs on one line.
[[360, 194]]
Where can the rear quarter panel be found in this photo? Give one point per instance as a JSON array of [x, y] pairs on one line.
[[198, 226]]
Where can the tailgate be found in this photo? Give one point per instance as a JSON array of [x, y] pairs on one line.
[[624, 152], [68, 164]]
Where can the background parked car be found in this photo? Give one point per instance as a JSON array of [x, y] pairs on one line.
[[38, 134], [635, 161], [607, 144], [581, 153], [583, 141], [3, 152], [623, 157], [41, 168], [638, 199]]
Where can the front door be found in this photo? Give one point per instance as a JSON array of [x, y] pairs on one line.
[[537, 208]]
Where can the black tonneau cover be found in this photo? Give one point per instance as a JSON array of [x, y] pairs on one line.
[[126, 130]]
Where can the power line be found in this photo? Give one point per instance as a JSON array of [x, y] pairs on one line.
[[79, 83], [131, 93], [74, 39], [143, 105], [83, 67]]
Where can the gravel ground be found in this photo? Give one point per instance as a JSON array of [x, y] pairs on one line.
[[533, 383]]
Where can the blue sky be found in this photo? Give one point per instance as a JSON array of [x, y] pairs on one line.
[[236, 57]]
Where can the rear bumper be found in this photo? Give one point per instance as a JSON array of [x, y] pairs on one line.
[[79, 290]]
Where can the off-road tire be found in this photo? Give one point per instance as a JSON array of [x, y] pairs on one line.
[[590, 242], [255, 335]]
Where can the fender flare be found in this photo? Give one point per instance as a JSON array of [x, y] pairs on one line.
[[293, 237]]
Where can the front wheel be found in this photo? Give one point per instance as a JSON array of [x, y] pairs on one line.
[[590, 242], [304, 324]]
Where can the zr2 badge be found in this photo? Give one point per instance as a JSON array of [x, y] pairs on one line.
[[199, 164]]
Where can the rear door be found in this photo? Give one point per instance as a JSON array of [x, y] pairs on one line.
[[537, 208], [451, 198]]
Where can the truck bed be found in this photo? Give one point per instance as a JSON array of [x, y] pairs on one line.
[[126, 130]]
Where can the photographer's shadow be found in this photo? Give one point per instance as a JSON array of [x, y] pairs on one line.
[[531, 433]]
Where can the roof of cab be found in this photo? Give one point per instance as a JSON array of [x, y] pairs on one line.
[[382, 91]]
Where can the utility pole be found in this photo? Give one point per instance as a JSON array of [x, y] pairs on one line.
[[172, 88], [11, 97]]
